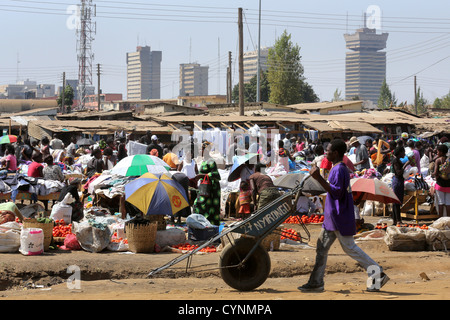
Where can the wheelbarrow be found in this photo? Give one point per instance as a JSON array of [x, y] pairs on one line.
[[244, 264]]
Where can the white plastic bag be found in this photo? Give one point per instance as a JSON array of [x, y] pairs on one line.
[[63, 209], [170, 237], [31, 241], [367, 209], [92, 239], [198, 221], [10, 237]]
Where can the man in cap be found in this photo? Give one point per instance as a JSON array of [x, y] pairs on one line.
[[362, 155], [154, 145]]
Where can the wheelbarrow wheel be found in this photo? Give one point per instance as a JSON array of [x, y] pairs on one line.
[[249, 275]]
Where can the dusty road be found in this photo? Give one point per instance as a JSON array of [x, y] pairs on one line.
[[114, 276]]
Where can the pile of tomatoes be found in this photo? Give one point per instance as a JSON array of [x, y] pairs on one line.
[[61, 229], [314, 218], [189, 247], [381, 226], [115, 239], [290, 234], [414, 226]]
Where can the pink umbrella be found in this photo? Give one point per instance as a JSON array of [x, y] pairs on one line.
[[374, 189]]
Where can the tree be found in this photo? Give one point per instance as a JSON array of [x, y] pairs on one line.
[[442, 103], [421, 102], [285, 74], [68, 99], [250, 90], [337, 95], [386, 99]]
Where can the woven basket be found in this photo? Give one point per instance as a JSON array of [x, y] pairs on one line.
[[47, 229], [271, 242], [159, 218], [141, 237]]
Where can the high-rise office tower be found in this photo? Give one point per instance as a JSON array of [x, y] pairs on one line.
[[251, 63], [365, 64], [144, 74], [193, 79]]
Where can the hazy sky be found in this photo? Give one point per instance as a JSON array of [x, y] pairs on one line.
[[38, 34]]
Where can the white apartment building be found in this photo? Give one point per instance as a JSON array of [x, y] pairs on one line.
[[251, 63], [193, 79]]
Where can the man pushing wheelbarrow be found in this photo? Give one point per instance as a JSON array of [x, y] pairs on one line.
[[339, 223], [244, 264]]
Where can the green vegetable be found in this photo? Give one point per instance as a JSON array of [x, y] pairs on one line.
[[44, 220]]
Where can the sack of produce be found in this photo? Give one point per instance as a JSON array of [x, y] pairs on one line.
[[405, 239]]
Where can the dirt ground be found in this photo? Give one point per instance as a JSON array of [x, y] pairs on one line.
[[119, 276]]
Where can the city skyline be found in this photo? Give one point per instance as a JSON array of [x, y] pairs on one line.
[[419, 37]]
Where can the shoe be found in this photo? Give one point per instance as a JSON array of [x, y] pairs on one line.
[[377, 285], [311, 288]]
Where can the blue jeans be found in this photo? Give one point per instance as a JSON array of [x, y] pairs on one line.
[[324, 242]]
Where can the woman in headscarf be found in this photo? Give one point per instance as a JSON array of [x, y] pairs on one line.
[[209, 206]]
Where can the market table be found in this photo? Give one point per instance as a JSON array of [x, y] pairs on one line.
[[23, 195], [412, 200]]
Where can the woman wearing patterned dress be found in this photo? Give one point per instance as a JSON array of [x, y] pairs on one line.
[[209, 206]]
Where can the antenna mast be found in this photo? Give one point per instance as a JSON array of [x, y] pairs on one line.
[[85, 33]]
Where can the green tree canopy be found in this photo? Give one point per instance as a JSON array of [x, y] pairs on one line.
[[387, 98], [442, 103], [250, 90], [285, 74], [68, 99], [421, 102]]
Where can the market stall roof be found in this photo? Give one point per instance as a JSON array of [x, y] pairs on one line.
[[306, 107], [98, 115], [341, 126], [351, 120], [37, 129]]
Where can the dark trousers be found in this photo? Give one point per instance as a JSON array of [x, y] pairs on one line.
[[398, 185]]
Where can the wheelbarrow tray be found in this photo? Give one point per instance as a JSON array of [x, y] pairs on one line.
[[258, 226]]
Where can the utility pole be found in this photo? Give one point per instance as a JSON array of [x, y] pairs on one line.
[[98, 87], [258, 70], [62, 94], [415, 94], [241, 64], [229, 89]]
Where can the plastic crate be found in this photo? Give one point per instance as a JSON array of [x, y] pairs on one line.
[[202, 234]]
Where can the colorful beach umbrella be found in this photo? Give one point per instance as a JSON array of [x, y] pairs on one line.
[[156, 194], [373, 189], [8, 139], [139, 164]]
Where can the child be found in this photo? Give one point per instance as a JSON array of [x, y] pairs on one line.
[[245, 198]]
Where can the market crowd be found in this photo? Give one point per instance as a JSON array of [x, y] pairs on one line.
[[401, 162]]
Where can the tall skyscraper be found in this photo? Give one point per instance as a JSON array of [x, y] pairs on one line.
[[193, 79], [365, 64], [144, 74], [251, 63]]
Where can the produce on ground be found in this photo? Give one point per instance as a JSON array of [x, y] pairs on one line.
[[189, 247], [61, 229], [314, 218]]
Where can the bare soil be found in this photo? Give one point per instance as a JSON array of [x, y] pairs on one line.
[[117, 276]]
